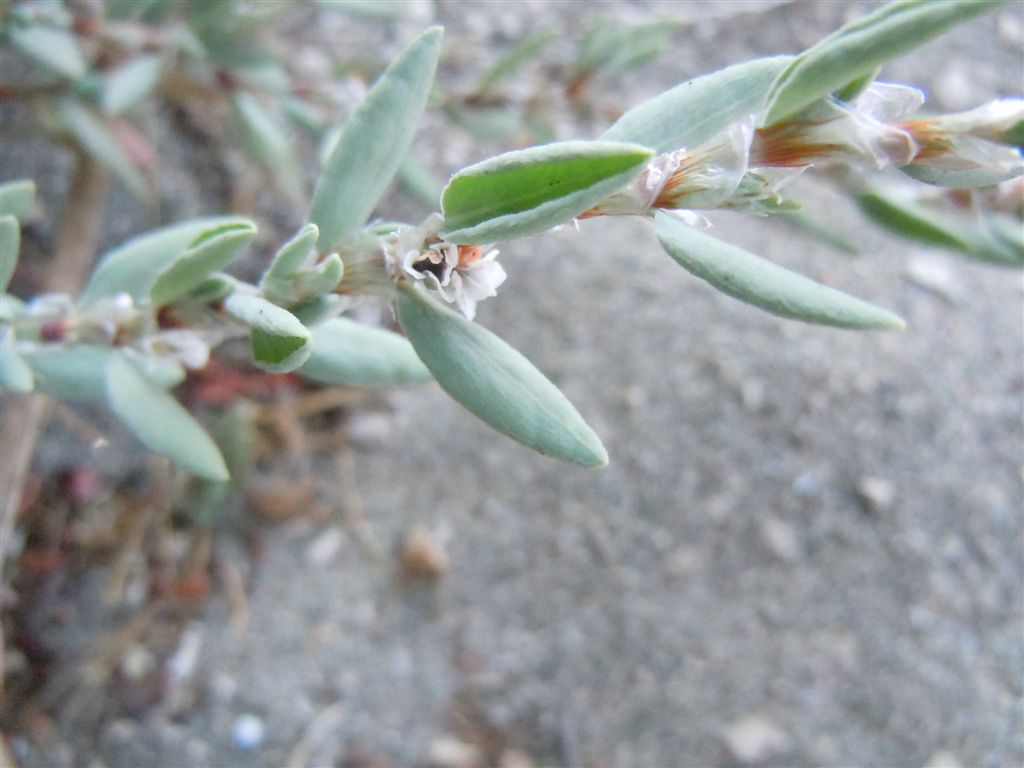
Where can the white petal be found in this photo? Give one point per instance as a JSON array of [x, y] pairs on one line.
[[888, 102], [482, 280]]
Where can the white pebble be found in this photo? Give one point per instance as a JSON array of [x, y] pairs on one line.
[[248, 731], [754, 739]]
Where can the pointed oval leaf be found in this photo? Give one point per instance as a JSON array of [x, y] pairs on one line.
[[11, 308], [73, 374], [214, 288], [160, 422], [512, 60], [319, 310], [960, 178], [213, 251], [857, 86], [290, 256], [373, 142], [965, 234], [495, 382], [96, 138], [763, 284], [320, 280], [861, 47], [132, 267], [15, 373], [267, 142], [56, 49], [280, 342], [130, 84], [77, 373], [698, 110], [352, 354], [532, 190], [16, 198], [10, 241], [913, 220]]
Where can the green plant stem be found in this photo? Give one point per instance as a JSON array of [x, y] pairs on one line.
[[25, 415]]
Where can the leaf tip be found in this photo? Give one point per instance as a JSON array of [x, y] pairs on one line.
[[598, 458]]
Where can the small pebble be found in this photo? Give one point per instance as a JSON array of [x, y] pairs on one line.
[[754, 739], [137, 662], [248, 731], [876, 494], [935, 274], [753, 395], [943, 759], [514, 758], [369, 430], [681, 563], [183, 662], [325, 547], [809, 484], [422, 557], [223, 687], [449, 752], [781, 540]]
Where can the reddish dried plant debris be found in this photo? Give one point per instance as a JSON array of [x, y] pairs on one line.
[[191, 586], [135, 144], [85, 485], [39, 562], [220, 384], [279, 499]]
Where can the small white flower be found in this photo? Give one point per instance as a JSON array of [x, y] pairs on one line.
[[859, 132], [970, 140], [186, 346], [474, 279], [686, 179], [461, 274], [106, 316]]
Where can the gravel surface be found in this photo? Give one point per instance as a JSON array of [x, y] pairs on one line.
[[807, 548]]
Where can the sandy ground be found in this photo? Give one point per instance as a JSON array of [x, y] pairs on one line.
[[807, 548]]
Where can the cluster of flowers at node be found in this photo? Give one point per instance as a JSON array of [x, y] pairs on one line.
[[54, 318], [461, 274], [746, 166]]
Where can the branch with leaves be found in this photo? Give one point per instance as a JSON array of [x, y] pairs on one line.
[[731, 140]]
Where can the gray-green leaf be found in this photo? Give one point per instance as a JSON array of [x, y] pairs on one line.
[[130, 84], [10, 241], [373, 142], [211, 252], [532, 190], [280, 342], [132, 267], [495, 382], [77, 373], [267, 142], [960, 178], [509, 62], [93, 135], [56, 49], [946, 229], [72, 374], [291, 256], [16, 198], [319, 280], [751, 279], [420, 181], [352, 354], [15, 373], [861, 47], [698, 110], [160, 421]]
